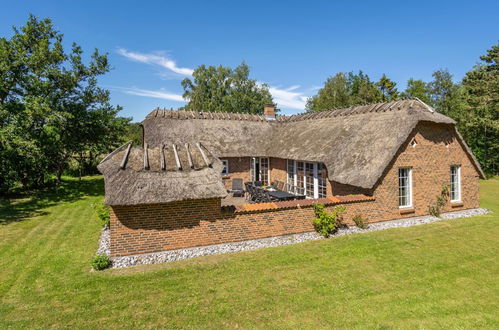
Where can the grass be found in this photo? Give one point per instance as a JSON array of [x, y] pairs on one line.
[[444, 274]]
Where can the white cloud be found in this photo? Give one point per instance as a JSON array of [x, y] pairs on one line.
[[157, 94], [289, 97], [155, 59]]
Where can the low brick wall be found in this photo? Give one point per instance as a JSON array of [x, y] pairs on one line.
[[160, 227]]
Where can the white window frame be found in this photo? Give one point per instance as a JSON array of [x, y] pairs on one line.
[[225, 170], [253, 168], [291, 179], [304, 178], [457, 187], [409, 187]]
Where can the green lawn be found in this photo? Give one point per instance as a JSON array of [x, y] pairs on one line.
[[444, 274]]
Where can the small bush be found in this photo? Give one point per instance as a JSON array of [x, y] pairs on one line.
[[327, 223], [436, 209], [101, 262], [102, 212], [360, 222]]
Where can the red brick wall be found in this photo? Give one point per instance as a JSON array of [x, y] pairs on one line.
[[278, 170], [436, 150], [161, 227], [239, 167]]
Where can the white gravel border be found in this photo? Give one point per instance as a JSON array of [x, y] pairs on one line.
[[167, 256]]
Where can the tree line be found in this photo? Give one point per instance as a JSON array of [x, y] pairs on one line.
[[473, 103]]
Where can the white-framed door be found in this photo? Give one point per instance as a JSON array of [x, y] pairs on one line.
[[260, 169], [309, 177]]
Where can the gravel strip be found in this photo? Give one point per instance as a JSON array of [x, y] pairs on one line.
[[167, 256], [104, 242]]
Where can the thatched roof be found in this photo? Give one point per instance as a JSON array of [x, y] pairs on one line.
[[159, 175], [356, 144]]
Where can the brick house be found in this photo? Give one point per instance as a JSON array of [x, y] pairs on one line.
[[382, 161]]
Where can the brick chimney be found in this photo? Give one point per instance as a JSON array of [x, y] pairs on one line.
[[269, 111]]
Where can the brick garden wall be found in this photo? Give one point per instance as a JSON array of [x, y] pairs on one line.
[[160, 227]]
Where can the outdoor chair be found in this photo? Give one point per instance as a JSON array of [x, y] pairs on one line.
[[261, 196], [290, 188], [258, 183], [279, 185], [253, 196], [299, 190], [237, 187], [248, 190]]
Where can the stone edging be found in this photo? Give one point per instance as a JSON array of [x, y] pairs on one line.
[[167, 256]]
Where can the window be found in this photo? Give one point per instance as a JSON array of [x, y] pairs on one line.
[[264, 170], [291, 172], [308, 178], [260, 170], [225, 170], [405, 187], [300, 173], [455, 183], [321, 179]]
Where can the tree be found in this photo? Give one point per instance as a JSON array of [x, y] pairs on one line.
[[334, 94], [362, 89], [387, 88], [445, 94], [51, 107], [223, 89], [344, 90], [480, 123], [419, 89]]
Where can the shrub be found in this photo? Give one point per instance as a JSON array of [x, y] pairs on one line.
[[103, 214], [436, 209], [101, 262], [359, 222], [327, 223]]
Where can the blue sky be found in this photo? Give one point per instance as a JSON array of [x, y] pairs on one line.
[[292, 46]]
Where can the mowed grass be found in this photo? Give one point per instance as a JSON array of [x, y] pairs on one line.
[[444, 274]]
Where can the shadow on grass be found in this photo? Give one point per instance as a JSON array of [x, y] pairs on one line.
[[34, 203]]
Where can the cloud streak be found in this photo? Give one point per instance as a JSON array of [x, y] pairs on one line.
[[290, 97], [155, 59], [157, 94]]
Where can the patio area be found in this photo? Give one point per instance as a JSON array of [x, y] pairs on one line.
[[231, 200], [256, 193]]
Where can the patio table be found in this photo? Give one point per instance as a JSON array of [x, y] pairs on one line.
[[284, 195]]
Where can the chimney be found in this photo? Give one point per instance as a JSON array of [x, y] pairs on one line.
[[269, 111]]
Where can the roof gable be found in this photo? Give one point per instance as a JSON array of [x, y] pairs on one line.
[[160, 175]]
